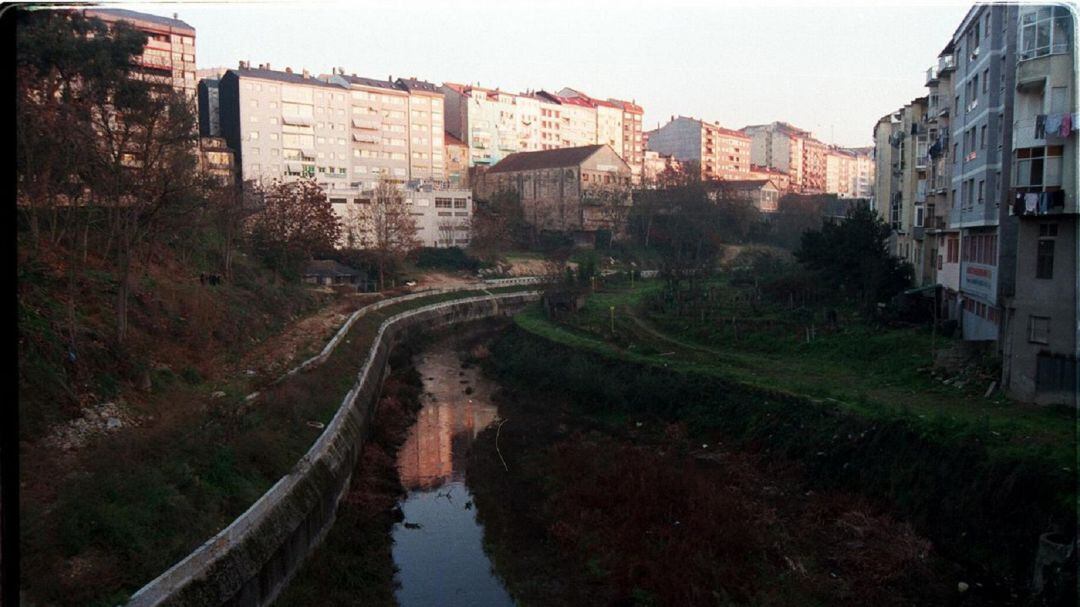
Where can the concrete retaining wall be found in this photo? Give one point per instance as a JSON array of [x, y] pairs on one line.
[[250, 561]]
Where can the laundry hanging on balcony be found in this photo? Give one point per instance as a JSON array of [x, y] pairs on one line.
[[1053, 123], [1066, 125], [1040, 126]]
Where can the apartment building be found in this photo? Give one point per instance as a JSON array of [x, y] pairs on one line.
[[379, 129], [426, 127], [578, 191], [618, 124], [282, 124], [169, 55], [864, 172], [984, 54], [942, 240], [723, 154], [848, 171], [491, 122], [839, 170], [346, 132], [901, 154], [783, 147], [1039, 332]]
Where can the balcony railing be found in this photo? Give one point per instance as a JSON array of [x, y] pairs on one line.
[[931, 76], [946, 63]]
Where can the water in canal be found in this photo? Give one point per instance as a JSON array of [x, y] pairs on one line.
[[438, 546]]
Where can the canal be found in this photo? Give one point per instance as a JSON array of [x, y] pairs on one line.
[[438, 546]]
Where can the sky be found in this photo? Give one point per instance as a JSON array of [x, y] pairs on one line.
[[831, 68]]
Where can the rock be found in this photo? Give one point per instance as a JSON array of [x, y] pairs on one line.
[[113, 423], [249, 372], [217, 394], [962, 587]]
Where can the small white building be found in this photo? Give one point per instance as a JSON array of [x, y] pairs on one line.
[[443, 216]]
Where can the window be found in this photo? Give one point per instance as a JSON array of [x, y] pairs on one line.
[[982, 137], [1038, 329], [1044, 30], [1044, 256], [1037, 167], [986, 80]]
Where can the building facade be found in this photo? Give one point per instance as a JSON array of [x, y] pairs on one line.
[[457, 161], [169, 55], [1040, 330], [722, 154], [576, 191], [443, 217], [762, 193], [783, 147]]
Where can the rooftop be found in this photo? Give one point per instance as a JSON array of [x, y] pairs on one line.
[[413, 84], [292, 78], [545, 159], [126, 15], [744, 184], [361, 81]]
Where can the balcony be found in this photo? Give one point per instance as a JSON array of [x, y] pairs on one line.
[[946, 64], [1044, 204], [931, 76]]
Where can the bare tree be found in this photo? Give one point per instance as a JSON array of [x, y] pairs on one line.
[[385, 227], [295, 223]]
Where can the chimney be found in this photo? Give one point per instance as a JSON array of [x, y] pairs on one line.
[[176, 16], [288, 70], [307, 74], [268, 66]]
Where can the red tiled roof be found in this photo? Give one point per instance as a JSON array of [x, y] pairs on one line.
[[575, 101], [627, 106]]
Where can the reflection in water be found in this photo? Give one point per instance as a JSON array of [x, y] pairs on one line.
[[438, 547]]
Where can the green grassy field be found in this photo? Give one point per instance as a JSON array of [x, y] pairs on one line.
[[873, 372]]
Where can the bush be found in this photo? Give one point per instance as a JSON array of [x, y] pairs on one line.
[[450, 259]]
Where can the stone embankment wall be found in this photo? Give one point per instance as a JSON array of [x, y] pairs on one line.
[[250, 561]]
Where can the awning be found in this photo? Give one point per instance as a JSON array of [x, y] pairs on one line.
[[297, 120]]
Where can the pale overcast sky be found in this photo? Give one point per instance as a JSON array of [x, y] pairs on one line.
[[832, 68]]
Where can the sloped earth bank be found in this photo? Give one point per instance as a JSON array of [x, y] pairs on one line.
[[586, 504]]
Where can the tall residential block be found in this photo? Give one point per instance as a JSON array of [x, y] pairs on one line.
[[981, 138], [783, 147], [1039, 330], [346, 132], [169, 55], [723, 154]]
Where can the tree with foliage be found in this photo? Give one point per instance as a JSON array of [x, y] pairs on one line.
[[96, 144], [498, 224], [384, 226], [851, 259], [295, 223], [686, 228]]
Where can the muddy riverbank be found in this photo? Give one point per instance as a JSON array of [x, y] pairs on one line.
[[600, 506]]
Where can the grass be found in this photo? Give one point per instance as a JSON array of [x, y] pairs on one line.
[[93, 529], [983, 504], [873, 372]]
